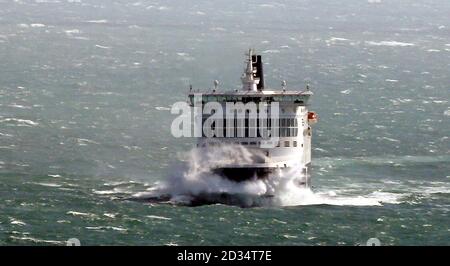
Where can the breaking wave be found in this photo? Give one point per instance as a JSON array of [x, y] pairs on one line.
[[193, 183]]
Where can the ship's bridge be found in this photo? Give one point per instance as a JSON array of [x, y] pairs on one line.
[[295, 97]]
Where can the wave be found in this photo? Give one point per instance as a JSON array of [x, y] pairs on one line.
[[19, 122], [381, 160], [389, 43], [194, 184], [37, 240]]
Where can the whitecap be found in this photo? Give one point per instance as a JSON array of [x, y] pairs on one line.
[[102, 47], [389, 43], [48, 184], [98, 21], [17, 222], [47, 1], [338, 39], [389, 139], [36, 240], [84, 142], [115, 228], [81, 38], [218, 29], [20, 122], [273, 51], [73, 31], [120, 183], [158, 217], [37, 25], [161, 108], [19, 106], [110, 215], [289, 236], [5, 135], [105, 192], [82, 214]]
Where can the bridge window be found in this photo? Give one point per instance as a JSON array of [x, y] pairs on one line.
[[288, 127]]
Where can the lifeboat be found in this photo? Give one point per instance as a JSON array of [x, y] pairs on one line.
[[312, 118]]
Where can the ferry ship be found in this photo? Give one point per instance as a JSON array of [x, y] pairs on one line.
[[287, 151]]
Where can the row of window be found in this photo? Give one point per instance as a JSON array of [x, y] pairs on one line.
[[243, 128], [286, 143], [283, 122], [245, 99], [251, 132]]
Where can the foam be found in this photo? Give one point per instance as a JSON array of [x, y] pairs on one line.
[[36, 240], [162, 108], [100, 21], [158, 217], [48, 184], [271, 51], [101, 228], [37, 25], [389, 43], [20, 122], [82, 214], [102, 47], [193, 183], [447, 112], [17, 222]]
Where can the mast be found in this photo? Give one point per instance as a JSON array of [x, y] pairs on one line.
[[249, 80]]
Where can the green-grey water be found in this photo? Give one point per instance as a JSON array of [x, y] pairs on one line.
[[85, 92]]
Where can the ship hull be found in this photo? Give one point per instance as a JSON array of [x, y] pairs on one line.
[[241, 174]]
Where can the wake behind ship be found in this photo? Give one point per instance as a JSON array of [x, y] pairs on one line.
[[277, 136]]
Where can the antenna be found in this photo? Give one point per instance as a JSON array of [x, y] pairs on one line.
[[216, 84]]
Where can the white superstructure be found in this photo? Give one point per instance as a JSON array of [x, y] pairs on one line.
[[289, 149]]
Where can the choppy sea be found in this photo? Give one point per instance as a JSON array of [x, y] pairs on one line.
[[86, 88]]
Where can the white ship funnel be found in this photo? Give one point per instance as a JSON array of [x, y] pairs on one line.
[[251, 77]]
